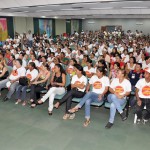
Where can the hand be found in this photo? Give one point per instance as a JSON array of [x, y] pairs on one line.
[[139, 102], [100, 96], [35, 82]]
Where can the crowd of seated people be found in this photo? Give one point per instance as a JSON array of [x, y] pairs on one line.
[[100, 65]]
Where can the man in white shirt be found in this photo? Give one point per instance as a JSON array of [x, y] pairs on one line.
[[143, 96], [13, 80]]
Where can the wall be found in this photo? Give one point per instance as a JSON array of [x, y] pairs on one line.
[[23, 24], [60, 26], [95, 24]]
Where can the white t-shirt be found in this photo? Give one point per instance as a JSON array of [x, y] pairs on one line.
[[17, 72], [32, 74], [89, 71], [80, 80], [99, 84], [120, 88], [144, 88]]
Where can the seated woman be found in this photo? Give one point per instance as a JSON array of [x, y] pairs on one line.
[[3, 71], [100, 84], [131, 64], [39, 84], [58, 82], [114, 71], [89, 70], [78, 84], [31, 74], [120, 87]]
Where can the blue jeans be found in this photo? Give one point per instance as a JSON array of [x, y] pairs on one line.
[[87, 100], [115, 105], [21, 92]]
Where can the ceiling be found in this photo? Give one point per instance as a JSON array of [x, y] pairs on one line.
[[77, 9]]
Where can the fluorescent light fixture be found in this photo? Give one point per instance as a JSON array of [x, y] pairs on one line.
[[101, 8], [83, 18], [134, 7], [54, 5], [41, 6], [139, 23], [69, 9], [43, 16], [56, 17], [91, 22], [43, 10], [14, 8]]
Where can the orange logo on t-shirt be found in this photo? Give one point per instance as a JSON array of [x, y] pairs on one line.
[[146, 90], [29, 76], [119, 89], [97, 85], [14, 73]]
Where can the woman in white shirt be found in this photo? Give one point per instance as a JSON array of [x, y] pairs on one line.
[[31, 74], [100, 84], [78, 84], [119, 88]]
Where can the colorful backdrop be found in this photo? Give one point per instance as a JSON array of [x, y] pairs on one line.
[[3, 29], [45, 25]]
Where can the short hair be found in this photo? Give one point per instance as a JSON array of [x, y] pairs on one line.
[[20, 61]]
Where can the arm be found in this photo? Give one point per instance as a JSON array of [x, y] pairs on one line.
[[80, 86], [4, 71], [139, 102], [63, 81]]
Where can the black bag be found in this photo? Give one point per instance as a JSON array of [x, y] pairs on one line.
[[24, 81]]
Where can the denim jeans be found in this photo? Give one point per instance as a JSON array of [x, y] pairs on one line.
[[11, 89], [87, 100], [21, 92], [115, 105]]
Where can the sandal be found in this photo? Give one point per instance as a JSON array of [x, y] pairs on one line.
[[18, 101], [86, 123], [24, 103], [56, 105], [73, 110], [71, 117], [66, 116], [33, 105], [39, 102]]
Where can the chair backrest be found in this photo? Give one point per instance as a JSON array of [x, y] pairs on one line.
[[68, 79], [9, 69]]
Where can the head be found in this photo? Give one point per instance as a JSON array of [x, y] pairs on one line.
[[31, 66], [147, 74], [116, 65], [18, 63], [79, 70], [138, 67], [102, 63], [132, 60], [121, 74], [59, 68], [100, 71], [89, 63], [72, 61]]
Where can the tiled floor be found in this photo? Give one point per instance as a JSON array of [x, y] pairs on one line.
[[23, 128]]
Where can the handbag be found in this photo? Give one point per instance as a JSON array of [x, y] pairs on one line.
[[24, 81]]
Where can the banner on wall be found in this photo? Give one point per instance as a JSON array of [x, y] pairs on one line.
[[45, 25], [3, 29], [74, 26]]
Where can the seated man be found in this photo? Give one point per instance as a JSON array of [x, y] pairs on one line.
[[143, 96], [134, 76], [13, 80]]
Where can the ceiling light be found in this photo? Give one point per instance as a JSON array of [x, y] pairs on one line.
[[83, 18], [69, 9], [101, 8], [55, 17], [43, 16], [41, 6], [134, 7], [43, 10]]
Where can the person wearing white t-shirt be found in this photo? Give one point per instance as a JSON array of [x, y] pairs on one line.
[[31, 74], [119, 88], [13, 80], [89, 70], [78, 86], [33, 59], [100, 84], [143, 96]]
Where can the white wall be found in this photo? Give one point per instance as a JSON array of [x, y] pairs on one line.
[[60, 26], [23, 24], [95, 24]]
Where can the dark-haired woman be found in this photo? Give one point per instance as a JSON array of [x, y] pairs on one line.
[[58, 82], [78, 85], [3, 71], [39, 84], [31, 74], [100, 84], [131, 65], [120, 87]]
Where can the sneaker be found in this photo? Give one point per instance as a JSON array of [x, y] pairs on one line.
[[123, 116], [108, 125], [144, 121], [17, 102]]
